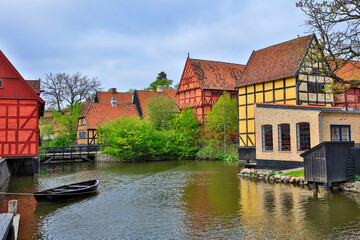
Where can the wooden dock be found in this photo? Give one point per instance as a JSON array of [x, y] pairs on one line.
[[9, 222]]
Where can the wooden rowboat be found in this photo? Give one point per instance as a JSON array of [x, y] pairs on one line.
[[67, 192]]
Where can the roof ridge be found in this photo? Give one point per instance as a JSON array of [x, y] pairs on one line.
[[217, 61], [298, 38]]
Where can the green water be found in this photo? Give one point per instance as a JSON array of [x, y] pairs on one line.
[[180, 200]]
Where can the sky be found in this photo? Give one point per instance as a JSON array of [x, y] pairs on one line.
[[125, 44]]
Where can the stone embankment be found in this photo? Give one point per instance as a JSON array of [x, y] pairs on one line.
[[274, 176], [271, 176], [102, 157]]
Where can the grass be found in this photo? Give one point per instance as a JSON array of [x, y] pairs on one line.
[[299, 173]]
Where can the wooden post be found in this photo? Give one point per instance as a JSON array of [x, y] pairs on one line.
[[36, 165], [326, 187], [12, 206]]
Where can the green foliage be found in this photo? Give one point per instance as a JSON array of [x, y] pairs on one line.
[[271, 174], [299, 173], [209, 152], [161, 80], [135, 139], [161, 110], [222, 121], [46, 129], [67, 122], [357, 178], [63, 140]]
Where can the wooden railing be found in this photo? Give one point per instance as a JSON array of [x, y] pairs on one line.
[[70, 152]]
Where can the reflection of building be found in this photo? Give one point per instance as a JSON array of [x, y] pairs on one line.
[[20, 110], [203, 82]]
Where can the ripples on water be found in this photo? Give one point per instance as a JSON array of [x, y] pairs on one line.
[[180, 200]]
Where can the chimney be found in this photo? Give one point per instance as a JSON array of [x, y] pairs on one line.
[[159, 88], [113, 90]]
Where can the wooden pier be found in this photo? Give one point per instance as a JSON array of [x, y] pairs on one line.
[[56, 154], [9, 222]]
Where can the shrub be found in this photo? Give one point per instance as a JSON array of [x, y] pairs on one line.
[[62, 140], [357, 178]]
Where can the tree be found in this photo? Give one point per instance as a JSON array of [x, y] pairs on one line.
[[66, 122], [336, 24], [222, 120], [161, 80], [160, 110], [62, 89]]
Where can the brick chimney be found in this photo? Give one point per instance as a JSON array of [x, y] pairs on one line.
[[113, 90]]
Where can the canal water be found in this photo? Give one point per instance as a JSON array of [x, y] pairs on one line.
[[179, 200]]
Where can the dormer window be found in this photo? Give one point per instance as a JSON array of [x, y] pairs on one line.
[[113, 102]]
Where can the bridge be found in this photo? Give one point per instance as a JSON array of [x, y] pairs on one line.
[[56, 154]]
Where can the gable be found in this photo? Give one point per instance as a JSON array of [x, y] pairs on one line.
[[188, 79], [275, 62], [13, 84]]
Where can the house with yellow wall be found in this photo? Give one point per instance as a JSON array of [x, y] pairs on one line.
[[283, 108]]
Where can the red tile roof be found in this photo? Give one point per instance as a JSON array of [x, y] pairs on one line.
[[144, 96], [35, 85], [216, 75], [121, 98], [172, 94], [275, 62], [351, 71], [101, 113]]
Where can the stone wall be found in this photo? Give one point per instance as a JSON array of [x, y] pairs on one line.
[[102, 157]]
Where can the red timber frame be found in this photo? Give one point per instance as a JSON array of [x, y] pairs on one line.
[[191, 93], [19, 132], [350, 99]]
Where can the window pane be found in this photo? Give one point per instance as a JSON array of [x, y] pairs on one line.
[[267, 138], [345, 134], [335, 134], [303, 136], [284, 137]]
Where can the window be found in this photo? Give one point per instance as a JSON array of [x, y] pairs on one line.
[[0, 82], [314, 87], [82, 135], [340, 133], [284, 137], [113, 102], [214, 93], [303, 136], [82, 122], [267, 138]]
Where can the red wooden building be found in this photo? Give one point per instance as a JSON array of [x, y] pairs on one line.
[[20, 109], [203, 82], [350, 99]]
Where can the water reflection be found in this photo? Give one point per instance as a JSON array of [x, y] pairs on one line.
[[180, 200]]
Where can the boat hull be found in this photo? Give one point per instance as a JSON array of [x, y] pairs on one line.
[[67, 192]]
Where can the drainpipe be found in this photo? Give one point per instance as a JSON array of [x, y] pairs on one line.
[[320, 123]]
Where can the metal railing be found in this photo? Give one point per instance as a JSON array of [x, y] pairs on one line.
[[70, 152]]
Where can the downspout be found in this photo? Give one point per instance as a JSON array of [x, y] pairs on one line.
[[320, 123]]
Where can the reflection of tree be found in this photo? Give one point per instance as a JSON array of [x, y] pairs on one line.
[[211, 201]]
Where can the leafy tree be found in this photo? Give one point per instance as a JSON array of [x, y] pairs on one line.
[[185, 132], [160, 110], [66, 123], [62, 89], [161, 80], [336, 23], [46, 128], [63, 140], [222, 120]]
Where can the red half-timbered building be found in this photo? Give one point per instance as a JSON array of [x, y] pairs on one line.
[[204, 81], [351, 99], [20, 109]]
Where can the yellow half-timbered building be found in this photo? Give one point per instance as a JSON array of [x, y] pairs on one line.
[[279, 74]]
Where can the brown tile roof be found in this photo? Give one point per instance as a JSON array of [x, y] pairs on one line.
[[351, 71], [172, 94], [144, 96], [121, 98], [35, 85], [275, 62], [101, 113], [216, 75]]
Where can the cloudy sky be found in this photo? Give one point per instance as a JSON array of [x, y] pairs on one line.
[[127, 43]]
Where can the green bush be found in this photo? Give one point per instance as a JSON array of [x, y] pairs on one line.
[[62, 140], [207, 152], [357, 178]]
